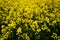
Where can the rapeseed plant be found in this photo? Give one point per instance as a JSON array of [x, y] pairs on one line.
[[29, 20]]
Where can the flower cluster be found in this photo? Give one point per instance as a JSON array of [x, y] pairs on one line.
[[29, 19]]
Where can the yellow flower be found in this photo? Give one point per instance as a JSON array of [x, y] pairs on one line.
[[33, 27], [2, 26], [48, 30], [38, 30], [12, 24], [19, 30], [26, 36], [3, 31], [2, 38]]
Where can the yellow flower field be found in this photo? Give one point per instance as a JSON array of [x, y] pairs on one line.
[[29, 19]]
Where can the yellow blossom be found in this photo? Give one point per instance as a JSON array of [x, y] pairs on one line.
[[19, 30]]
